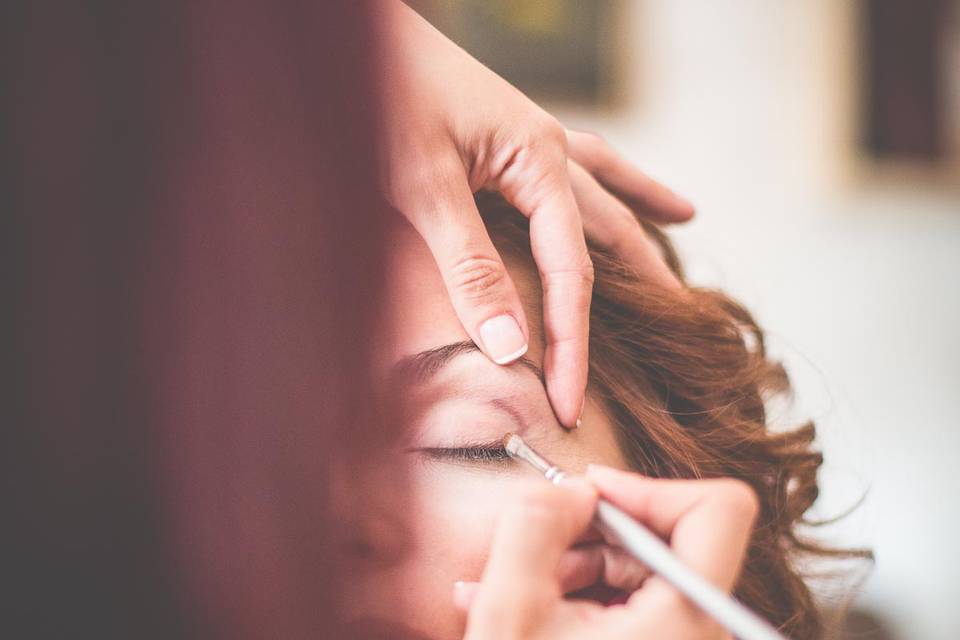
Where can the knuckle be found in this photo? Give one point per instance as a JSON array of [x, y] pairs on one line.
[[550, 129], [628, 234], [588, 273], [543, 131], [477, 278], [620, 245], [740, 498], [577, 280], [585, 271]]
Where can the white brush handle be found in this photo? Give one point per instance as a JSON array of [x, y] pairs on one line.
[[653, 552]]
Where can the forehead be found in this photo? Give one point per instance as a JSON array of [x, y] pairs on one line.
[[418, 314]]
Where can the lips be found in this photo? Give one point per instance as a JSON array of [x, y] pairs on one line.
[[597, 571]]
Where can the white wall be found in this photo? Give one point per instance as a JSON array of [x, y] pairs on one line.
[[746, 106]]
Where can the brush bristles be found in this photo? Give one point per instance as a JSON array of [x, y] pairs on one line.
[[511, 443]]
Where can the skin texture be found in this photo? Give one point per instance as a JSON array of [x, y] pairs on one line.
[[518, 542]]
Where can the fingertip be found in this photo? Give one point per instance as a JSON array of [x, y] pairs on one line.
[[573, 416], [513, 356], [571, 421], [685, 209], [569, 418], [671, 209], [567, 396]]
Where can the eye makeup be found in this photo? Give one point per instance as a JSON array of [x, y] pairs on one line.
[[468, 453]]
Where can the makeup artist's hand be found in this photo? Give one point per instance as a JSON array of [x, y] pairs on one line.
[[707, 523], [454, 127]]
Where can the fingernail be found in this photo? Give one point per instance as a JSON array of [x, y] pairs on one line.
[[503, 339], [583, 405], [464, 593]]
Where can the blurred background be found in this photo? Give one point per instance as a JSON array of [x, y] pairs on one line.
[[820, 141]]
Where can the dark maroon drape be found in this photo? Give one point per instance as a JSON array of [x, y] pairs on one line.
[[191, 243]]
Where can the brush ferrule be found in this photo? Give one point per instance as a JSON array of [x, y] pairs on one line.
[[519, 449], [555, 475]]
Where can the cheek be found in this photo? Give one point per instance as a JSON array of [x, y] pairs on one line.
[[456, 513], [449, 515]]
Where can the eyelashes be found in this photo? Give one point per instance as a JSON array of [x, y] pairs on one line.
[[481, 453]]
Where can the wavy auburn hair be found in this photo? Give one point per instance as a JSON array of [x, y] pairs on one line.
[[684, 376]]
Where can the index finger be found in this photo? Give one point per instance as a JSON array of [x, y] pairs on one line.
[[540, 189]]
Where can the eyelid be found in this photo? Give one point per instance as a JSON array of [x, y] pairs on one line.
[[477, 453]]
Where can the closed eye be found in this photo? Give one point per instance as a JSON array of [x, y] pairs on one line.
[[480, 453]]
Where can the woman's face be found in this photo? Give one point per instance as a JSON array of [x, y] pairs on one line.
[[460, 405]]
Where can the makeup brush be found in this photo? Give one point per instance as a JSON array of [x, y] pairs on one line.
[[643, 544]]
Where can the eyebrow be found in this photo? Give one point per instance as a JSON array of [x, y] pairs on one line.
[[420, 367]]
